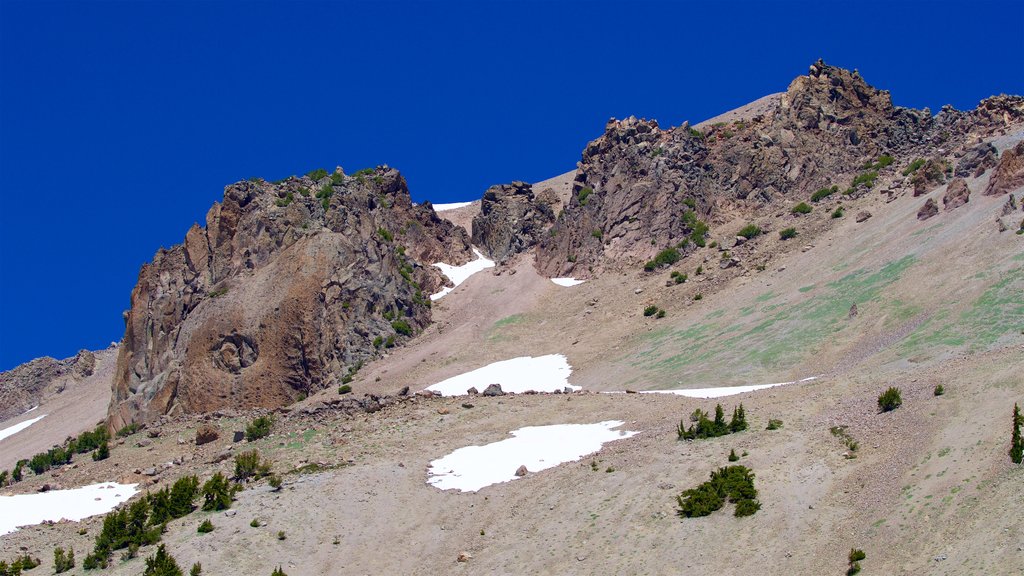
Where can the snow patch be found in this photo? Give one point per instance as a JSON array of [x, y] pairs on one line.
[[459, 274], [450, 206], [75, 504], [12, 430], [567, 281], [541, 374], [535, 447], [724, 390]]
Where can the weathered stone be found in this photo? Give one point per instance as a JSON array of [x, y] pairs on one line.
[[521, 471], [862, 216], [206, 433], [957, 194], [493, 390], [929, 209], [237, 436], [976, 160], [1009, 173], [510, 221], [472, 391]]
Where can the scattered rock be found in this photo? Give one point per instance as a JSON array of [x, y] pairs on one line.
[[404, 391], [206, 433], [1010, 206], [957, 194], [237, 436], [467, 405], [442, 410], [638, 291], [1009, 173], [464, 557], [862, 216], [567, 390], [143, 443], [472, 391], [929, 209], [853, 311], [976, 160], [521, 471], [150, 471], [494, 390]]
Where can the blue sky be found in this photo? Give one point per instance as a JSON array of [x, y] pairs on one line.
[[121, 122]]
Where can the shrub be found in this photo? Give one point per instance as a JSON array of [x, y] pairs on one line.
[[774, 424], [174, 502], [217, 493], [282, 202], [660, 314], [707, 428], [3, 478], [383, 233], [62, 562], [196, 570], [259, 428], [205, 527], [281, 535], [402, 327], [698, 228], [739, 419], [856, 555], [801, 208], [883, 161], [787, 233], [583, 194], [732, 483], [749, 231], [678, 277], [913, 167], [275, 482], [248, 465], [650, 310], [890, 399], [161, 564], [344, 389], [1016, 443], [732, 456], [866, 178], [255, 523], [838, 212], [666, 257], [824, 193], [596, 233], [337, 178], [317, 174], [101, 453], [698, 296], [939, 390], [278, 572], [128, 430]]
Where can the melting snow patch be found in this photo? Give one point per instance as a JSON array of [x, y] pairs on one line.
[[12, 430], [541, 374], [535, 447], [450, 206], [723, 391], [567, 281], [459, 274], [76, 504]]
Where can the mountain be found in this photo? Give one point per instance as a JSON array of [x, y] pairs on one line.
[[821, 239]]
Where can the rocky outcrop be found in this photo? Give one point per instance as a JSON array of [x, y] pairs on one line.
[[929, 176], [957, 194], [286, 290], [929, 209], [976, 160], [1009, 173], [511, 220], [25, 386]]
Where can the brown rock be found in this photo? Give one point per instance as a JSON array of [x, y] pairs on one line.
[[1009, 173], [521, 471], [205, 434], [957, 194], [863, 215], [976, 160], [929, 209], [464, 557], [510, 221]]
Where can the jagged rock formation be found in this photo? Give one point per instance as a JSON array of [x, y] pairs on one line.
[[957, 194], [929, 209], [976, 160], [1009, 174], [640, 189], [288, 288], [24, 386], [511, 220]]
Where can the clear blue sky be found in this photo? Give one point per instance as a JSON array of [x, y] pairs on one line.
[[121, 122]]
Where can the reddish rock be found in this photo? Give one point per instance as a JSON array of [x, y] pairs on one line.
[[1008, 175], [957, 194], [205, 434], [929, 209]]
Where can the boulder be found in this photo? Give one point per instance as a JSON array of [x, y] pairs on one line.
[[493, 390], [521, 471], [929, 209], [862, 215], [206, 433], [957, 194], [976, 160], [511, 220], [1008, 175]]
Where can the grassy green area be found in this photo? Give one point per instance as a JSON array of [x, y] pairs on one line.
[[496, 331]]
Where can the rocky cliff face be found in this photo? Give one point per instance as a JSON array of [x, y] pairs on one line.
[[287, 289], [511, 220], [22, 388], [640, 189]]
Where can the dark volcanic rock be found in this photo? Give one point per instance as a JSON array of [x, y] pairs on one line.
[[957, 194], [929, 209], [510, 221], [1009, 173], [976, 160], [283, 292], [493, 390]]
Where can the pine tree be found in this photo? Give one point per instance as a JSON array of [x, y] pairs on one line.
[[161, 564], [1016, 443], [739, 419]]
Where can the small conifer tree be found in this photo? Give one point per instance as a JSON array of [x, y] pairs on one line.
[[161, 564], [1016, 443]]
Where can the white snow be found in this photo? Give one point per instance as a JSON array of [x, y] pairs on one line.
[[76, 504], [459, 274], [723, 391], [450, 206], [567, 281], [536, 447], [541, 374], [12, 430]]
